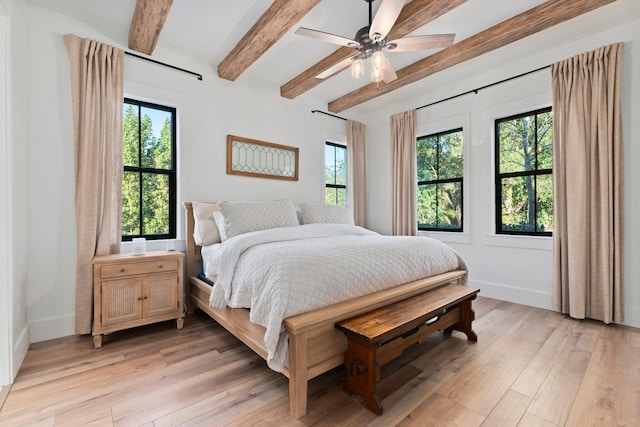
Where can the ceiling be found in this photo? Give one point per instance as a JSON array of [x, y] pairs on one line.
[[209, 30]]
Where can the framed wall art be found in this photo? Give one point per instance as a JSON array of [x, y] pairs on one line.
[[251, 157]]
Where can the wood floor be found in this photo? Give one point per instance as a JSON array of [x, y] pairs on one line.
[[530, 367]]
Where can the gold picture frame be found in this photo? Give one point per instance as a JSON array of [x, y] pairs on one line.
[[251, 157]]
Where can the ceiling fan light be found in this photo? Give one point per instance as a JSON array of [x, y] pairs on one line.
[[376, 73], [377, 59], [357, 68]]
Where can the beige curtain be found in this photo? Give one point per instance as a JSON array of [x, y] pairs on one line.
[[357, 171], [97, 96], [588, 185], [403, 174]]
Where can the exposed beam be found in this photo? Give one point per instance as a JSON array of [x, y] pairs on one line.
[[281, 16], [146, 24], [539, 18], [413, 16]]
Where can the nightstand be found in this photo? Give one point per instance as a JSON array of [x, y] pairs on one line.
[[134, 290]]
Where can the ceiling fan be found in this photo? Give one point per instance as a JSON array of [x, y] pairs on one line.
[[371, 41]]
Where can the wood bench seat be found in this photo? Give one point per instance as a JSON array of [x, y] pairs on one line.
[[379, 336]]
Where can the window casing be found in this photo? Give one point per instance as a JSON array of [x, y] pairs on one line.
[[523, 177], [149, 179], [335, 164], [440, 178]]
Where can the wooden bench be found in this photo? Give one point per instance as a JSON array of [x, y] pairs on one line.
[[381, 335]]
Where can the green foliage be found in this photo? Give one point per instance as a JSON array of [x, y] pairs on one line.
[[336, 196], [335, 174], [145, 192], [439, 157], [525, 145]]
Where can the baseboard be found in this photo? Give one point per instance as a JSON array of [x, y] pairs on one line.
[[55, 327], [632, 316], [20, 349], [517, 295], [4, 392]]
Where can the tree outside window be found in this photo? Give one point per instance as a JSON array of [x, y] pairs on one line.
[[335, 164], [524, 186], [149, 180], [439, 158]]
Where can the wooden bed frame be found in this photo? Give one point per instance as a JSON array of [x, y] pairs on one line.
[[315, 346]]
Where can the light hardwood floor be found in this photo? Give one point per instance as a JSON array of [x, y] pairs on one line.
[[530, 367]]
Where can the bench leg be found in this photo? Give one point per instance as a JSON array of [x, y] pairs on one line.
[[467, 316], [363, 373]]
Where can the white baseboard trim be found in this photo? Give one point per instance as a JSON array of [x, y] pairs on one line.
[[632, 316], [55, 327], [537, 299], [517, 295], [20, 349]]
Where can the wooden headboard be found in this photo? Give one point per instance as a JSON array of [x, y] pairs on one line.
[[192, 250]]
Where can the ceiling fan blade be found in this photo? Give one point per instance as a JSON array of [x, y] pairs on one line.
[[432, 41], [335, 69], [388, 73], [327, 37], [386, 16]]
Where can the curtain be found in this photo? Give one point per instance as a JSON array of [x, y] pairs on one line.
[[403, 174], [588, 185], [97, 72], [357, 171]]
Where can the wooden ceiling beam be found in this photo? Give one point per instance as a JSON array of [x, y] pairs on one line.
[[413, 16], [281, 16], [146, 24], [534, 20]]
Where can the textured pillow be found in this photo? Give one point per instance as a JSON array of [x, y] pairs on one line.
[[320, 213], [205, 231], [219, 220], [243, 217]]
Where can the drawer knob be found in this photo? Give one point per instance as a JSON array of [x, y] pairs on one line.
[[122, 270], [160, 266]]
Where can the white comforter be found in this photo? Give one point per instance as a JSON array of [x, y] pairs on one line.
[[286, 271]]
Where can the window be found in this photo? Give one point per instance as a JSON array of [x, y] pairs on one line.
[[524, 191], [149, 181], [335, 172], [439, 159]]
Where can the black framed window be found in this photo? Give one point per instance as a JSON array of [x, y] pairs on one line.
[[149, 180], [440, 177], [523, 164], [335, 172]]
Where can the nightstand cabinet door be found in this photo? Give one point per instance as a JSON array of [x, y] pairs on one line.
[[121, 301], [160, 295]]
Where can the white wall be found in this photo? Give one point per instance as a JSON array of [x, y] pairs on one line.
[[6, 324], [208, 110], [518, 269], [14, 326]]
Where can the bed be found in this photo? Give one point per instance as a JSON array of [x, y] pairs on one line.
[[314, 346]]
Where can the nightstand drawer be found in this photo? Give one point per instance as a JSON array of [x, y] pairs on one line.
[[130, 269]]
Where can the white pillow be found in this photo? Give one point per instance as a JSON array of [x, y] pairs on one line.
[[205, 231], [320, 213], [219, 220], [243, 217]]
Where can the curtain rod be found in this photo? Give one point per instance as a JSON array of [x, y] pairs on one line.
[[329, 114], [199, 76], [485, 86]]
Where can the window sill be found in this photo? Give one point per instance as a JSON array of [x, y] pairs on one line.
[[447, 237], [542, 243], [155, 245]]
